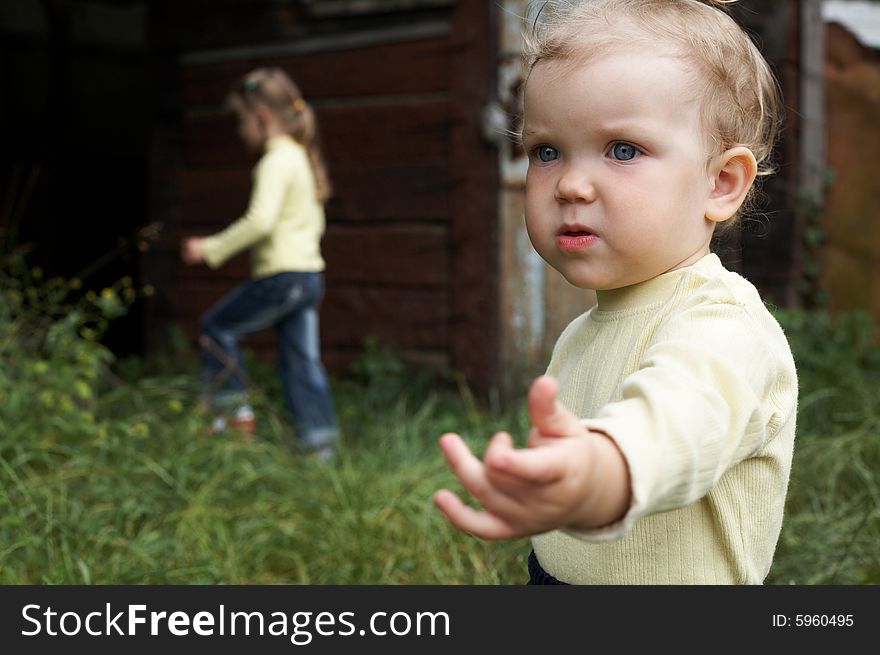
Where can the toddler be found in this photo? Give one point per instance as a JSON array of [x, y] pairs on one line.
[[663, 431]]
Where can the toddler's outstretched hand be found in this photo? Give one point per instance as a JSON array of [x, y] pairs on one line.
[[567, 477]]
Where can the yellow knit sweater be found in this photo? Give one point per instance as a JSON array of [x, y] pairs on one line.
[[695, 381], [284, 221]]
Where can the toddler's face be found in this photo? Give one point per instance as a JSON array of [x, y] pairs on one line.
[[618, 182]]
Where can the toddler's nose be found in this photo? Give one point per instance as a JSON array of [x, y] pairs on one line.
[[575, 185]]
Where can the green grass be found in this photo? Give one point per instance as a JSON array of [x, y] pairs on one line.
[[832, 527], [112, 478], [130, 487]]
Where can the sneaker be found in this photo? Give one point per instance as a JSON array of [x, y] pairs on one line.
[[325, 453], [218, 424], [246, 425], [244, 421]]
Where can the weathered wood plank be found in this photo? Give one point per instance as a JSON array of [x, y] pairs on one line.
[[410, 318], [211, 199], [395, 255], [415, 191], [390, 190], [386, 69], [474, 198], [414, 131]]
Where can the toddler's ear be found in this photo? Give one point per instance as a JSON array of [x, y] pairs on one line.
[[734, 172]]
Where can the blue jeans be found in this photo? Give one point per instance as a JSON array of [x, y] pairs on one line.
[[288, 301]]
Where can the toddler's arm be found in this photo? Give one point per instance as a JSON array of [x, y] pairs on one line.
[[568, 477]]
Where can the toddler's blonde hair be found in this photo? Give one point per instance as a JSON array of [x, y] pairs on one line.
[[741, 100]]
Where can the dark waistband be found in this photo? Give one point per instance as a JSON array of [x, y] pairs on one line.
[[537, 575]]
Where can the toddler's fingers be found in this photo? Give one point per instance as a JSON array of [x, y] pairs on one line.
[[467, 468], [496, 466], [548, 415], [479, 523], [534, 465], [472, 474], [496, 452], [455, 450]]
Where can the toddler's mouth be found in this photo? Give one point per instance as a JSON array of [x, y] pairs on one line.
[[575, 231], [575, 238]]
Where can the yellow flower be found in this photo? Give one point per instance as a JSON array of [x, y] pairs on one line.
[[82, 389], [139, 429], [107, 293], [91, 297], [175, 405], [75, 283]]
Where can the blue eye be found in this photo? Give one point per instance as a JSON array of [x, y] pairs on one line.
[[624, 151], [546, 153]]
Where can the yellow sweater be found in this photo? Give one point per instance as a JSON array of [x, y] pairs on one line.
[[695, 381], [284, 221]]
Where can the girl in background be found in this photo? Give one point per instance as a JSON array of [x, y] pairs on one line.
[[282, 228]]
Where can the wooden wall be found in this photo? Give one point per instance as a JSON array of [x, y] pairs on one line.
[[848, 254], [399, 89], [425, 243]]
